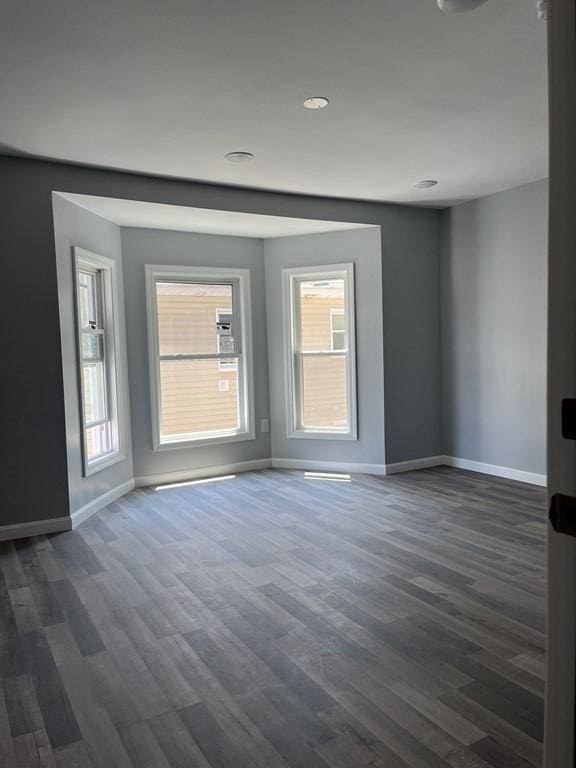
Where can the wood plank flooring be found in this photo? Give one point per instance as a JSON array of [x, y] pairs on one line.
[[277, 621]]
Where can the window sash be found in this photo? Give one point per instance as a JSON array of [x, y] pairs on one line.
[[101, 348], [295, 355], [235, 299], [241, 357], [231, 411], [102, 326], [105, 400], [95, 297], [300, 400]]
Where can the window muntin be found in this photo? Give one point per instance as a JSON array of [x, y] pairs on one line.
[[200, 381], [97, 360], [320, 352]]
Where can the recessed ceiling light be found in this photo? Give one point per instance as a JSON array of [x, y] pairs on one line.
[[425, 184], [239, 157], [316, 102]]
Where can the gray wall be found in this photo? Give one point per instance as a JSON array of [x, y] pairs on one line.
[[363, 248], [36, 427], [494, 329], [76, 226], [149, 246], [412, 359]]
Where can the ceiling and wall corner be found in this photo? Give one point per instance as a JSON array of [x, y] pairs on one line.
[[180, 218], [171, 89]]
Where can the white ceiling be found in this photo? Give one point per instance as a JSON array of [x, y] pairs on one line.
[[170, 87], [133, 213]]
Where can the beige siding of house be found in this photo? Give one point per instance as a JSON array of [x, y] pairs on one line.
[[191, 396], [324, 388], [324, 392], [191, 400]]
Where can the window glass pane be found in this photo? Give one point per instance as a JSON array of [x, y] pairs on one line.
[[87, 290], [338, 341], [195, 318], [98, 441], [94, 388], [197, 397], [92, 347], [324, 396], [338, 320], [316, 300]]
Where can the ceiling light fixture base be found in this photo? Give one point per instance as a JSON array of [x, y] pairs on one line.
[[316, 102], [425, 184], [239, 157], [459, 6]]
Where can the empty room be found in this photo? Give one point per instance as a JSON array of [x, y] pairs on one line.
[[288, 460]]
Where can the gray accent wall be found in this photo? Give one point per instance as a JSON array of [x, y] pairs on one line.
[[152, 246], [363, 249], [494, 272], [73, 226]]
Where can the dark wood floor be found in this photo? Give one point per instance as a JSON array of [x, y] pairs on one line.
[[273, 620]]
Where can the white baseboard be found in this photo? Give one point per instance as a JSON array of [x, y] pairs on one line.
[[414, 464], [59, 524], [99, 503], [35, 528], [329, 466], [493, 469], [198, 474]]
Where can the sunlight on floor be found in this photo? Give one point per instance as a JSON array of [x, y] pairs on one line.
[[203, 481], [331, 476]]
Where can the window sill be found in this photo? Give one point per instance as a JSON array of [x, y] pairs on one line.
[[309, 434], [198, 442], [99, 464]]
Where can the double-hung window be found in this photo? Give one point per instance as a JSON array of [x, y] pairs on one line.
[[319, 342], [96, 320], [200, 355]]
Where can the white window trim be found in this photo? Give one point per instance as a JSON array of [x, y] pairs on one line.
[[83, 258], [158, 272], [290, 276]]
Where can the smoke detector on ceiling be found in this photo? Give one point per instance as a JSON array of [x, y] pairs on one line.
[[316, 102]]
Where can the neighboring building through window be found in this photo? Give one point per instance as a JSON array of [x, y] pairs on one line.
[[96, 316], [320, 347], [338, 329], [199, 341], [224, 321]]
